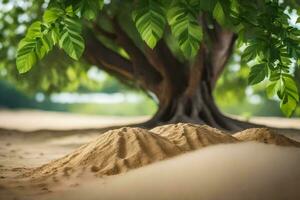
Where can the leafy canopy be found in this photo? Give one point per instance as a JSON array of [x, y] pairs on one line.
[[267, 34]]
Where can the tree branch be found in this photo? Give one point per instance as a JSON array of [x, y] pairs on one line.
[[174, 77], [221, 51], [145, 73], [197, 71], [174, 72], [222, 41], [97, 54], [163, 54], [103, 32]]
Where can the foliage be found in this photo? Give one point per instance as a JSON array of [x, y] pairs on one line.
[[150, 21], [266, 35], [246, 100], [182, 17], [56, 73], [274, 45]]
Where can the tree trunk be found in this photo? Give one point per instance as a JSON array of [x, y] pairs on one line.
[[183, 90], [198, 108], [194, 104], [188, 95]]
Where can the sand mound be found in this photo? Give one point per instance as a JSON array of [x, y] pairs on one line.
[[265, 135], [114, 152], [191, 136], [120, 150]]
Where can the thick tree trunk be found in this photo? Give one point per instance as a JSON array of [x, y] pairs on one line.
[[184, 90], [194, 104], [189, 97], [198, 107]]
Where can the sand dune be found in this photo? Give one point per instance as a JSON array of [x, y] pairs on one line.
[[113, 152], [191, 136], [118, 151], [240, 171], [265, 135]]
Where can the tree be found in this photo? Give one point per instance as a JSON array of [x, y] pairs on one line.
[[175, 50]]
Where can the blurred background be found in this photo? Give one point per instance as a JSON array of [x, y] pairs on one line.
[[60, 84], [102, 94]]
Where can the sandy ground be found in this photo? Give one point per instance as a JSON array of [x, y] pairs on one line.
[[28, 120], [229, 171]]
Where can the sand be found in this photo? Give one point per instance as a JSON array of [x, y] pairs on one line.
[[119, 150], [265, 135], [126, 151], [191, 136], [240, 171], [113, 152], [30, 120]]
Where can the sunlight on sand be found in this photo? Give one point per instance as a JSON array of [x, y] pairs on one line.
[[229, 172], [213, 165]]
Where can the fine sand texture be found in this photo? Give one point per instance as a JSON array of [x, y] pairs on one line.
[[176, 161], [119, 150], [30, 120], [240, 171], [265, 135], [113, 152]]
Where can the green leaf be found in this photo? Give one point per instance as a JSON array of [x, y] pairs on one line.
[[182, 18], [272, 89], [54, 34], [150, 21], [287, 91], [26, 52], [87, 8], [90, 9], [249, 53], [34, 30], [52, 14], [71, 40], [275, 75], [219, 14], [44, 45], [26, 56], [288, 106], [258, 73], [100, 4], [290, 87], [40, 49], [35, 45]]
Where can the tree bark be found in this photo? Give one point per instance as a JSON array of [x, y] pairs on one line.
[[184, 90], [195, 104]]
